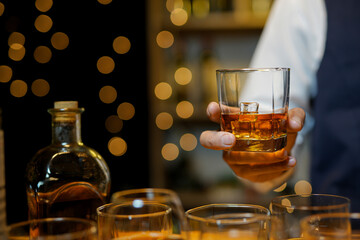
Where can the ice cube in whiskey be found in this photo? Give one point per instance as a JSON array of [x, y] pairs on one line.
[[256, 132]]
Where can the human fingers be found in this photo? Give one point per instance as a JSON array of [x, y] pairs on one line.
[[296, 119], [263, 172], [217, 140], [213, 112]]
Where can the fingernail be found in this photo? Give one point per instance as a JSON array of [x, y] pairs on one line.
[[296, 122], [227, 139], [292, 161], [208, 113]]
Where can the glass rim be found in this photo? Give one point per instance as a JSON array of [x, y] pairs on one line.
[[248, 70], [100, 210], [91, 223], [143, 190], [254, 216], [315, 217], [319, 207]]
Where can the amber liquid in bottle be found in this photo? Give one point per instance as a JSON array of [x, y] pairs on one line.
[[66, 178]]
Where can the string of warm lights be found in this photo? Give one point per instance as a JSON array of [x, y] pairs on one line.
[[43, 54], [163, 90]]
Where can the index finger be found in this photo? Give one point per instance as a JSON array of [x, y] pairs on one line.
[[213, 112], [296, 119]]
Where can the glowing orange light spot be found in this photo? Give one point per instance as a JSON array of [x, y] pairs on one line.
[[165, 39], [163, 91], [5, 73], [107, 94], [184, 109], [126, 111], [42, 54], [170, 151], [43, 5], [105, 65], [117, 146], [121, 45], [40, 87], [18, 88], [113, 124], [43, 23], [188, 142], [59, 41], [164, 120]]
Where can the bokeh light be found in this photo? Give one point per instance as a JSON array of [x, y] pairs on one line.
[[105, 65], [163, 91], [18, 88], [286, 202], [281, 188], [170, 151], [105, 2], [40, 87], [16, 37], [117, 146], [165, 39], [188, 142], [121, 45], [43, 23], [183, 76], [16, 52], [303, 187], [178, 17], [126, 111], [184, 109], [2, 9], [59, 40], [107, 94], [42, 54], [172, 4], [5, 73], [113, 124], [164, 121], [43, 5]]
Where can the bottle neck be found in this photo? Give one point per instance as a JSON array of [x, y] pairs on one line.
[[66, 126]]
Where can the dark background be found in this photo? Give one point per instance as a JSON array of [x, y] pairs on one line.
[[72, 75]]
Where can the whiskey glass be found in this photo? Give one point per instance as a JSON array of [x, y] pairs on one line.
[[290, 209], [135, 220], [232, 221], [53, 228], [331, 226], [157, 195], [254, 105]]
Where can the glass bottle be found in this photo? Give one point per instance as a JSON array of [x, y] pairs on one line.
[[66, 178]]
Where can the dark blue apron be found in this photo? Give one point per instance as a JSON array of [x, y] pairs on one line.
[[335, 166]]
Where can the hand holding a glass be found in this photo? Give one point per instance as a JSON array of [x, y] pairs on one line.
[[257, 130]]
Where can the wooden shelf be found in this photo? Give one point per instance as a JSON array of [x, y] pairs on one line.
[[229, 21]]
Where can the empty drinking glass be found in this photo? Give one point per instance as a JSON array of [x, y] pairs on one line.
[[134, 220], [232, 221], [290, 209], [328, 226], [157, 195], [53, 228]]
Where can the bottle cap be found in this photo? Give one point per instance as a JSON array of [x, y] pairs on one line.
[[65, 104]]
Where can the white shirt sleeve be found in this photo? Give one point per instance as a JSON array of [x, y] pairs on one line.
[[294, 36]]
